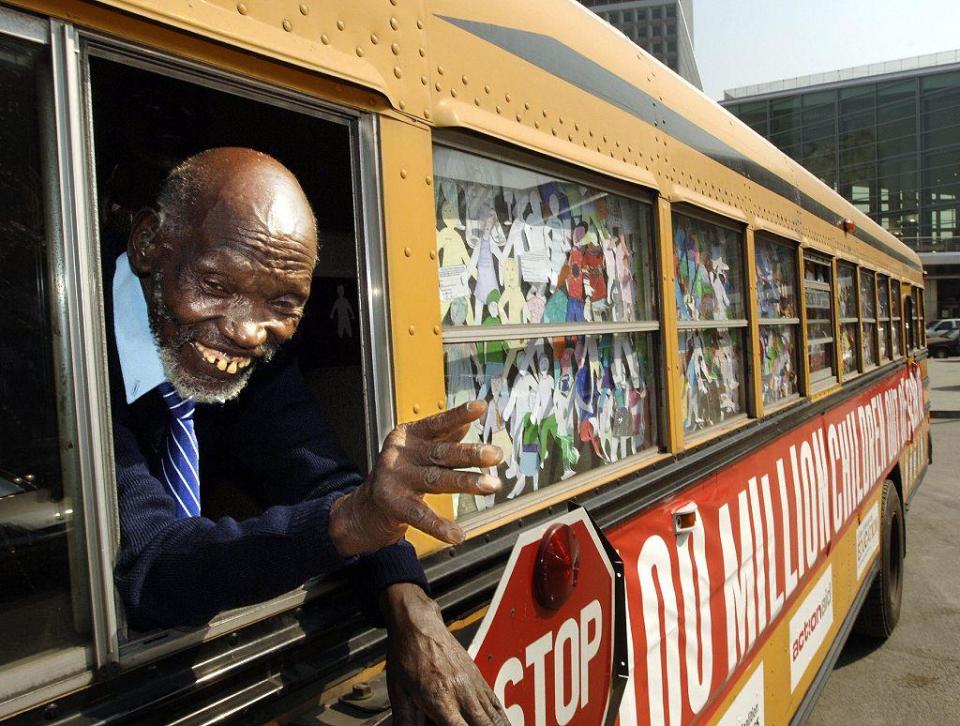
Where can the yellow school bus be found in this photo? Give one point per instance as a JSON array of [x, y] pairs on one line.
[[676, 328]]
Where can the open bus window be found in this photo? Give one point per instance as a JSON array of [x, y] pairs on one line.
[[708, 286], [818, 289], [43, 602], [849, 317], [896, 322], [883, 317], [146, 123], [779, 319], [517, 248], [868, 313]]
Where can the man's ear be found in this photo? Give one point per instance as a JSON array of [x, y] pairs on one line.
[[143, 245]]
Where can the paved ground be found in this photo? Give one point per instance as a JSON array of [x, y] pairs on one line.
[[914, 678]]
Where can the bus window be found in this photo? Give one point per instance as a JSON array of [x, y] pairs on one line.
[[818, 287], [896, 321], [520, 248], [43, 595], [883, 316], [144, 124], [708, 267], [868, 313], [779, 319], [849, 317]]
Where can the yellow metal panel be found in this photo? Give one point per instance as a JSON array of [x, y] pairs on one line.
[[413, 280], [673, 371]]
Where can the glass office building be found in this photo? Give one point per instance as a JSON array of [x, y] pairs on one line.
[[663, 29], [885, 136]]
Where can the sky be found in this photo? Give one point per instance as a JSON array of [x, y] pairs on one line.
[[742, 42]]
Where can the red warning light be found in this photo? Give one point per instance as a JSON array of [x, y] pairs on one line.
[[557, 568], [848, 226]]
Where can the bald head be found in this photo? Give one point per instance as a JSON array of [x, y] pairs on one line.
[[226, 261]]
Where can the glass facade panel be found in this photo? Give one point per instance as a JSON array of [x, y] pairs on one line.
[[557, 407], [819, 152], [786, 125], [516, 246], [42, 593], [708, 264], [712, 361]]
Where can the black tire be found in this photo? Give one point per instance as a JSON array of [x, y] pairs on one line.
[[881, 609], [939, 353]]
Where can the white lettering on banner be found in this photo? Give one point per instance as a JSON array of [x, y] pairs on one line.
[[747, 707], [868, 538], [809, 626], [772, 528], [577, 642]]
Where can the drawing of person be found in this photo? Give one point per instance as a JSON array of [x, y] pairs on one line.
[[344, 312]]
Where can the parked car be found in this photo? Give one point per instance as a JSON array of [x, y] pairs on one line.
[[945, 344], [943, 326]]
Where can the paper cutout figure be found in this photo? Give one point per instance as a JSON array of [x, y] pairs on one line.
[[343, 311], [513, 306], [453, 256]]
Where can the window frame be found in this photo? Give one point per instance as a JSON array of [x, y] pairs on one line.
[[744, 324], [862, 274], [504, 153], [823, 382], [762, 236]]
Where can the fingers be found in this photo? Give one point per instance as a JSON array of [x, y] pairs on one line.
[[419, 516], [453, 455], [445, 422], [439, 480]]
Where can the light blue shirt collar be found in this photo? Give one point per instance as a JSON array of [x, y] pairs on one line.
[[139, 359]]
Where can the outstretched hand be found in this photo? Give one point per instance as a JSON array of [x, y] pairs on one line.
[[429, 674], [417, 458]]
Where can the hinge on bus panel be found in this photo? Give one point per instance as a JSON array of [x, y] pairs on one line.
[[367, 704]]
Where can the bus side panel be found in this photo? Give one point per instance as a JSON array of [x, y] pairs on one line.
[[732, 619]]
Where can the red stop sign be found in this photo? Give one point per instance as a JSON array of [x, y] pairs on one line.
[[555, 666]]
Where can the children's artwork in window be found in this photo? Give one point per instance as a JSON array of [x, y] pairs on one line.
[[848, 348], [778, 356], [868, 306], [710, 360], [883, 297], [895, 338], [895, 297], [776, 280], [556, 407], [547, 250], [819, 300], [869, 344], [883, 340], [847, 290], [707, 270]]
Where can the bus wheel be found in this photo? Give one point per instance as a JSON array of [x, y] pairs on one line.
[[881, 610]]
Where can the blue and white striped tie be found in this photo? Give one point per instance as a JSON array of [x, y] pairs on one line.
[[180, 458]]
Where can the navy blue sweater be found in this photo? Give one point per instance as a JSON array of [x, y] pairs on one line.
[[272, 443]]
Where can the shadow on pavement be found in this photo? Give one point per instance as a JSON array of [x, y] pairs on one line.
[[857, 647]]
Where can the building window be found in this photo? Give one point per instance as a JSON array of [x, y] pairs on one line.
[[883, 317], [708, 286], [818, 289], [896, 324], [779, 320], [868, 315], [517, 248], [849, 317]]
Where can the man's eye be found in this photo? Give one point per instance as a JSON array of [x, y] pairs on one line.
[[286, 306], [214, 286]]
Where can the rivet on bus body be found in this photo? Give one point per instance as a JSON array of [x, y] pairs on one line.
[[395, 48], [526, 106], [426, 113], [407, 252], [242, 9], [403, 173], [437, 86], [412, 330], [553, 131], [429, 181], [569, 137], [453, 92], [486, 89], [440, 407], [394, 23], [394, 2], [419, 24], [324, 39], [560, 119], [360, 51], [287, 25], [436, 330], [423, 80], [416, 408], [506, 97], [304, 9], [499, 110], [433, 254], [536, 124], [341, 25], [464, 80], [423, 52], [397, 72], [476, 101], [519, 116], [374, 38], [544, 113], [440, 70], [403, 105]]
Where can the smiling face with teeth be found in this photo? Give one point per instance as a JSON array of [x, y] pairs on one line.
[[226, 264]]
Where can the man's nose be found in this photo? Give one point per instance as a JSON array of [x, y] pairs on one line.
[[245, 333]]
